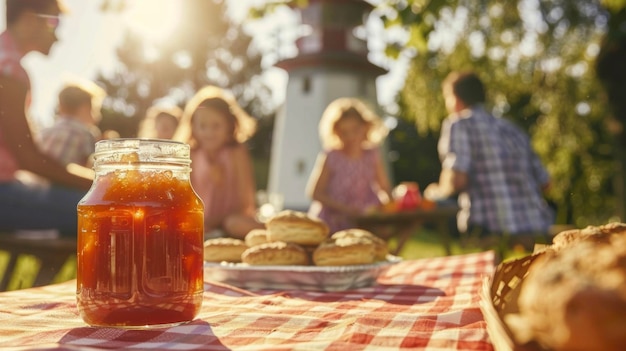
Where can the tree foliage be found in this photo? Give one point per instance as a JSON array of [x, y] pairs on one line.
[[537, 59], [207, 47]]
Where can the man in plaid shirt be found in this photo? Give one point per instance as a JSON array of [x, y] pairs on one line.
[[490, 164], [31, 26]]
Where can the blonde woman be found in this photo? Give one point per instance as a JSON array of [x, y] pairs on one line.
[[349, 176]]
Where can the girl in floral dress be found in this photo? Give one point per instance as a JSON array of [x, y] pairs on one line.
[[349, 177]]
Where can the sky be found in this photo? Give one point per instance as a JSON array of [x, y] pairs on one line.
[[88, 38]]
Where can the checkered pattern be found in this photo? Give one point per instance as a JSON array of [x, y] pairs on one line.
[[505, 174], [177, 304], [429, 304]]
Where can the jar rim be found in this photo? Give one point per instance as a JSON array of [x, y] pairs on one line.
[[143, 150], [132, 141]]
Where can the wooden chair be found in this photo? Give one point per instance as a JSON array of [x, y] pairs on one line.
[[51, 254]]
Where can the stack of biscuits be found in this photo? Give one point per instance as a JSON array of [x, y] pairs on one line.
[[574, 296], [293, 238]]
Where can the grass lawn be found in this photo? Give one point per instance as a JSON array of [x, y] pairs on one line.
[[426, 243], [27, 267], [423, 244]]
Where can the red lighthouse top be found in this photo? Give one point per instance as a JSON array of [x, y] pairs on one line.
[[330, 40]]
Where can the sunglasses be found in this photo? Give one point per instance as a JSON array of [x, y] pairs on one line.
[[52, 21]]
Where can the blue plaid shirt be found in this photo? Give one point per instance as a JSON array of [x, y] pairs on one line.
[[70, 141], [505, 176]]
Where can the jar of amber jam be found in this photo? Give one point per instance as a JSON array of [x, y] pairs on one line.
[[140, 236]]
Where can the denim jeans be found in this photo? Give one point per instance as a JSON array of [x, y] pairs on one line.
[[26, 207]]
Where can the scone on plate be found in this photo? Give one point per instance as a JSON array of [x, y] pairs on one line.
[[256, 237], [345, 250], [276, 253], [224, 249], [380, 245], [296, 227]]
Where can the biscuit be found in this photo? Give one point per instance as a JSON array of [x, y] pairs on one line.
[[380, 245], [256, 237], [275, 254], [345, 251], [595, 233], [224, 249], [296, 227]]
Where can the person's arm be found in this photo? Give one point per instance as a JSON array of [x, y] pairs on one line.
[[450, 183], [455, 157], [245, 180], [382, 180], [318, 188], [315, 174], [19, 140]]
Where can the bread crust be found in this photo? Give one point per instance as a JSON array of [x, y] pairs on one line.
[[276, 253], [596, 233], [345, 250], [224, 249], [575, 298], [381, 250], [296, 227], [256, 237]]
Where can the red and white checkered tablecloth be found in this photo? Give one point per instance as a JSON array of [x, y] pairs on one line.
[[427, 304]]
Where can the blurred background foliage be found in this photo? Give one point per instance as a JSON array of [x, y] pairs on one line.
[[538, 61], [554, 67], [208, 47]]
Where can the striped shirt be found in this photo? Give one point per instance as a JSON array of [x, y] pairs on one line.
[[505, 176]]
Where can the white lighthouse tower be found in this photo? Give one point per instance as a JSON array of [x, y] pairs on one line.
[[331, 63]]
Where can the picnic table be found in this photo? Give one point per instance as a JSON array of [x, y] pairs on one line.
[[426, 304], [402, 224]]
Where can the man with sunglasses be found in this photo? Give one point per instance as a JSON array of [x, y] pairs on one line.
[[31, 26]]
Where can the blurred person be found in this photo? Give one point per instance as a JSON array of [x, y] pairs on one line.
[[489, 162], [110, 134], [222, 174], [73, 137], [31, 26], [349, 176], [160, 122]]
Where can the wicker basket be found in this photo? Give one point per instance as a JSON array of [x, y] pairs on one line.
[[499, 296]]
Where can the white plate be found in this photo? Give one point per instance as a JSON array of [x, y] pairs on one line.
[[332, 278]]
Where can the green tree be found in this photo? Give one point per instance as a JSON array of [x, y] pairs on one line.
[[611, 69], [538, 60], [538, 64], [207, 47]]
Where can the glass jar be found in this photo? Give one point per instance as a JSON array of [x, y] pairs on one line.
[[140, 236]]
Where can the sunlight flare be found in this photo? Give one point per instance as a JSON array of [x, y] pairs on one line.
[[154, 20]]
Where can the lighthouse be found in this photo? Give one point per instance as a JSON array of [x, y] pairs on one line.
[[331, 63]]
